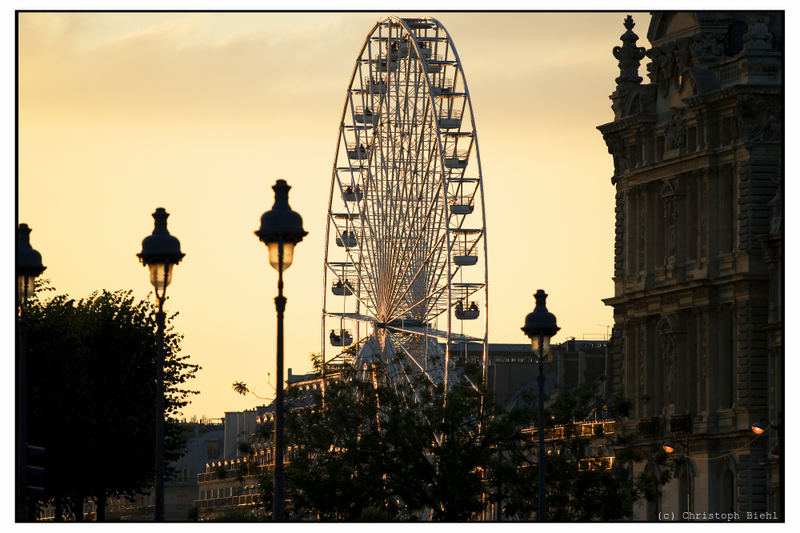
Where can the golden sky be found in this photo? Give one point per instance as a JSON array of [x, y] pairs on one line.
[[120, 113]]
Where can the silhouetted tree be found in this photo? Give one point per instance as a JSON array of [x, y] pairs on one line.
[[91, 396], [589, 476], [377, 449]]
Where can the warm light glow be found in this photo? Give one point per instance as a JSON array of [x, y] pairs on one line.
[[669, 448], [288, 255], [25, 287], [758, 429], [158, 279], [545, 345]]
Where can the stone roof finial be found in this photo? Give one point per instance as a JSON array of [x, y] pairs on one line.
[[629, 55], [629, 23]]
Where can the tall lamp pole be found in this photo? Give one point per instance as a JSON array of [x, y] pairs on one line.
[[29, 266], [281, 229], [539, 326], [160, 252]]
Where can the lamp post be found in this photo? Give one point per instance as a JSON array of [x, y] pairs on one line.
[[669, 448], [539, 326], [281, 229], [761, 427], [160, 252], [29, 266]]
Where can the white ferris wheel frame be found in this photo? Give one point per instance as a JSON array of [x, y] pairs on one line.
[[380, 70]]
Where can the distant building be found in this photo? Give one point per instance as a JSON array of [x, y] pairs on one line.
[[225, 483], [204, 443], [697, 342], [513, 369]]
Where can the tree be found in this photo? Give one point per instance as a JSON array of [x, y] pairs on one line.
[[589, 467], [91, 396], [377, 449]]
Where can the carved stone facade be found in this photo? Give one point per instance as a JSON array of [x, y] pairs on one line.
[[698, 253]]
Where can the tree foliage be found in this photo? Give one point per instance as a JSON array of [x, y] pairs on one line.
[[91, 367], [376, 449], [589, 473]]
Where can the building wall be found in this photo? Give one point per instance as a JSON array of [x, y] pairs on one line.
[[239, 425], [698, 175], [513, 369]]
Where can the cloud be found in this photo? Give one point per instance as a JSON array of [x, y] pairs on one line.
[[180, 70]]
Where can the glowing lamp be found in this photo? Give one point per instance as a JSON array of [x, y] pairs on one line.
[[760, 427], [160, 252], [281, 229], [540, 325]]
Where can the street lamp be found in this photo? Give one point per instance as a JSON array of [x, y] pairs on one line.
[[761, 427], [539, 326], [29, 266], [669, 448], [281, 229], [160, 252]]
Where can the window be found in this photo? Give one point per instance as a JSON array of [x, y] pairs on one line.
[[212, 449]]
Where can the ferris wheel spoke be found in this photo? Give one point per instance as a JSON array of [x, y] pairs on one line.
[[426, 222], [369, 245], [402, 268], [413, 355], [413, 276], [427, 261], [409, 382], [432, 243], [380, 240], [429, 301]]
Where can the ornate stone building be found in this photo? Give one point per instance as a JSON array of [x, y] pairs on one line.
[[698, 254]]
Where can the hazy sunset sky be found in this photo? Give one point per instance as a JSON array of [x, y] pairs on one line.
[[200, 113]]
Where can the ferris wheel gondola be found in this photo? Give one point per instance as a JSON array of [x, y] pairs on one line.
[[406, 227]]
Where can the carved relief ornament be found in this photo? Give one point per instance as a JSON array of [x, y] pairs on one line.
[[760, 119], [675, 130]]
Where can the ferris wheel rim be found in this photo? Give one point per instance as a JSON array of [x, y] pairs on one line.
[[442, 182]]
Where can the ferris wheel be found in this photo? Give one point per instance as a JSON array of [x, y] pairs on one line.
[[405, 273]]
